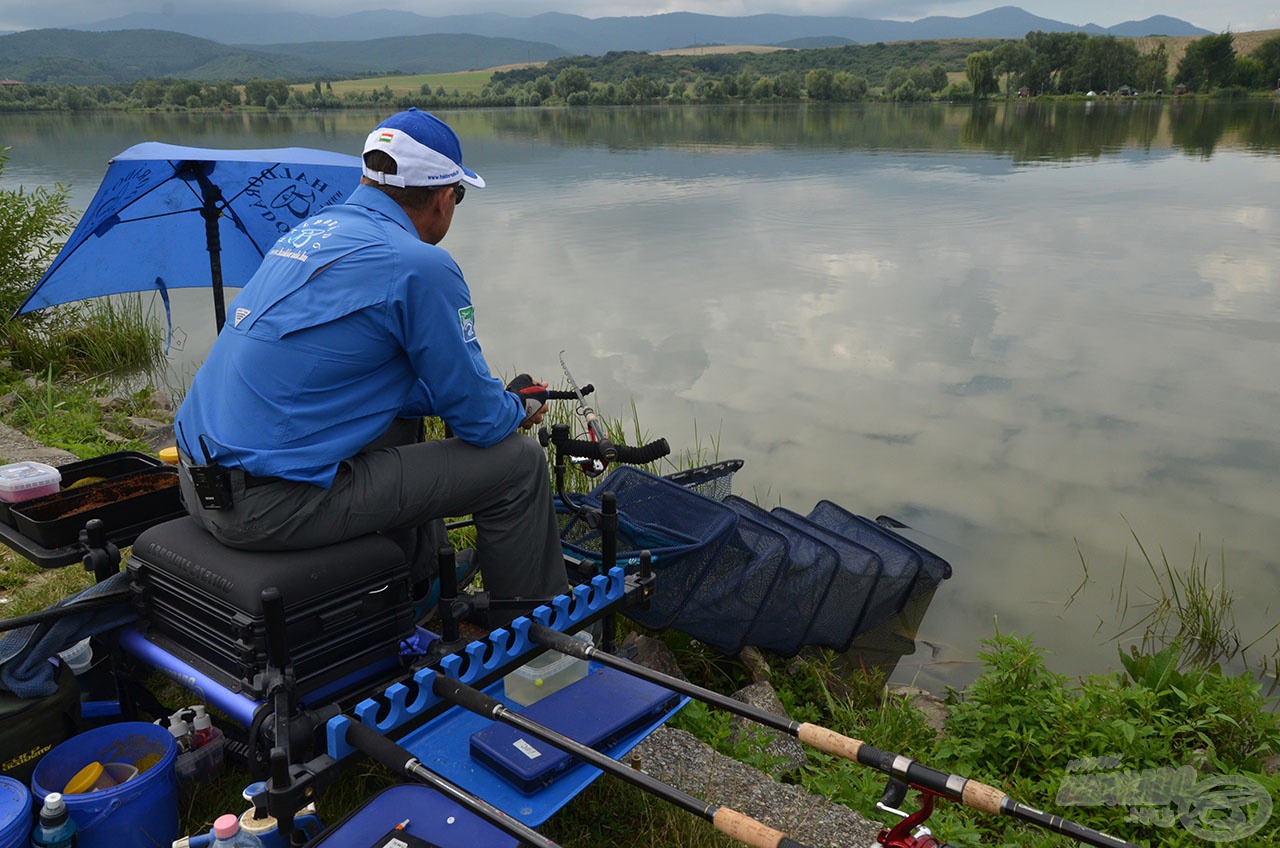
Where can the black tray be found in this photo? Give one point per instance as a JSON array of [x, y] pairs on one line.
[[109, 465], [46, 522], [120, 534]]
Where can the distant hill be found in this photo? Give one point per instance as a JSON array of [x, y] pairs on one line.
[[418, 54], [1154, 25], [1244, 43], [95, 58], [595, 36], [89, 58]]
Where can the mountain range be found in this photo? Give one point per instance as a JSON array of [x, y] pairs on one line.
[[595, 36], [207, 47]]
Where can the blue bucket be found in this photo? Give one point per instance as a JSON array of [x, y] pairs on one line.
[[139, 813], [15, 814]]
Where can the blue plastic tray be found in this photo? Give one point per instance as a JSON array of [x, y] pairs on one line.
[[431, 816], [531, 764], [443, 745]]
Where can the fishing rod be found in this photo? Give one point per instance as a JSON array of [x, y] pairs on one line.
[[971, 793], [399, 760], [55, 613], [595, 427], [729, 822]]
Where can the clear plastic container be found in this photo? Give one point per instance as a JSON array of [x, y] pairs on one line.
[[202, 765], [96, 776], [22, 481], [78, 657], [548, 672]]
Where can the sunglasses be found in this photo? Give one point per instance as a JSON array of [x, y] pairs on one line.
[[459, 192]]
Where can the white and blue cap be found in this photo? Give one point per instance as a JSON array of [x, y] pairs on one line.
[[425, 148]]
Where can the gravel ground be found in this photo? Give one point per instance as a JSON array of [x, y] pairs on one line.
[[15, 447], [676, 757]]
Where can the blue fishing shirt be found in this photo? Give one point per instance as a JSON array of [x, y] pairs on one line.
[[350, 322]]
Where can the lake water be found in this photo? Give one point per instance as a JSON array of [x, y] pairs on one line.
[[1034, 331]]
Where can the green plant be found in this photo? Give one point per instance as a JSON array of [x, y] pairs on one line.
[[106, 336], [1190, 607], [65, 415], [1008, 720], [32, 224]]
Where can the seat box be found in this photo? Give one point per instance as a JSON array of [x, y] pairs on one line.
[[346, 606]]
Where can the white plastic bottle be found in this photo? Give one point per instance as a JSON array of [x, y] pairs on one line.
[[227, 834], [181, 732]]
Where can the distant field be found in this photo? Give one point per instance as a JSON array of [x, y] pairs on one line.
[[463, 81], [1176, 46], [715, 49]]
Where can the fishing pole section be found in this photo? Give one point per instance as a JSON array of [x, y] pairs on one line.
[[595, 427], [736, 825], [593, 454], [398, 760], [931, 782]]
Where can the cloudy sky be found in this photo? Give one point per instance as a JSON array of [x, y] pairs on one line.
[[1236, 15]]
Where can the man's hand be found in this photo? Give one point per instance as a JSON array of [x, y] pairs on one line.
[[534, 397]]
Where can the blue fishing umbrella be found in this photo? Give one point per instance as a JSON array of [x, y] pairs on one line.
[[169, 217]]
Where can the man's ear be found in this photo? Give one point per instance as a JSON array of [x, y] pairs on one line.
[[440, 198]]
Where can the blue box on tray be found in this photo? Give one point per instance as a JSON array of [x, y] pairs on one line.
[[597, 711]]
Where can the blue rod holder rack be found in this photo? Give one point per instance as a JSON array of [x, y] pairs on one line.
[[478, 659]]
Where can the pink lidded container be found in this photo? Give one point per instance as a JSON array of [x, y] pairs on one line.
[[22, 481]]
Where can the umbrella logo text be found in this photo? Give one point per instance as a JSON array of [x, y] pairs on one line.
[[297, 198]]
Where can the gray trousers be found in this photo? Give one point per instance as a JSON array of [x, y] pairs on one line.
[[403, 489]]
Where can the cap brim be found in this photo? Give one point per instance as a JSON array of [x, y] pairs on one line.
[[470, 177]]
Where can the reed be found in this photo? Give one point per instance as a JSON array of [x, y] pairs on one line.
[[109, 336], [1189, 606]]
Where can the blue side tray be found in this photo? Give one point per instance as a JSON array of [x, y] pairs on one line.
[[432, 817], [444, 746], [597, 711]]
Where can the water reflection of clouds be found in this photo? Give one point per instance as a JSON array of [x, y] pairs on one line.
[[1006, 376], [1015, 357], [1238, 283], [1027, 359]]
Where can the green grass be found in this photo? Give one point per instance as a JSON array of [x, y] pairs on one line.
[[99, 337], [26, 588], [1190, 607], [66, 416]]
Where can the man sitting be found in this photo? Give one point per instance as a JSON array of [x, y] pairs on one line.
[[303, 427]]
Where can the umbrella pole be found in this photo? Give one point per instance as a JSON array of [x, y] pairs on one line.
[[212, 196]]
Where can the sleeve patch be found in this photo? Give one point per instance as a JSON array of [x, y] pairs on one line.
[[467, 320]]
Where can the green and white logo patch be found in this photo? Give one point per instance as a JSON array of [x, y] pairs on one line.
[[467, 319]]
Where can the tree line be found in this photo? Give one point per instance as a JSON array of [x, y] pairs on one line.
[[1042, 63], [1075, 63]]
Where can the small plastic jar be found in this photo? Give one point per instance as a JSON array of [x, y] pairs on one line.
[[22, 481]]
